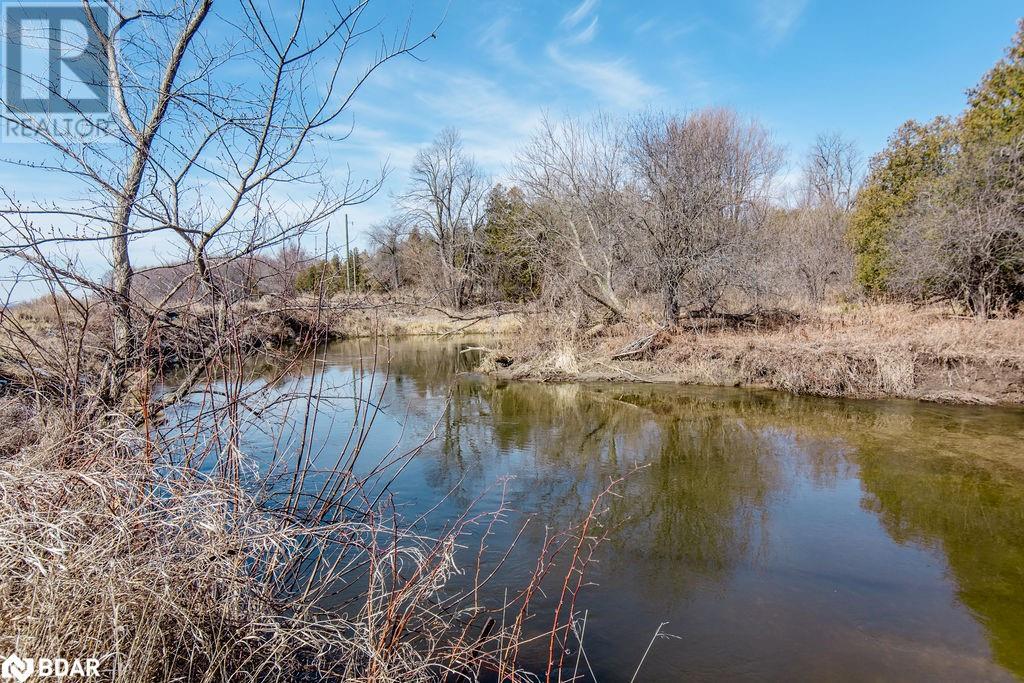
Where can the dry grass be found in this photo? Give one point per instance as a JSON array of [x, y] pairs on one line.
[[20, 427], [933, 331], [165, 574], [372, 314], [856, 351]]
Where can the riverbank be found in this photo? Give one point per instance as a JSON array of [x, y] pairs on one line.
[[870, 352], [879, 351]]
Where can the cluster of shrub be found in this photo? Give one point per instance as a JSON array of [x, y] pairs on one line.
[[685, 210], [941, 214]]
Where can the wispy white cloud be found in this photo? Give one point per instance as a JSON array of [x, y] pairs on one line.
[[778, 18], [612, 82], [667, 30], [579, 13], [494, 39], [492, 120], [586, 35], [646, 25]]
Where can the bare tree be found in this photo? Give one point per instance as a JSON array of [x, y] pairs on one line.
[[445, 199], [210, 149], [705, 180], [386, 239], [814, 233], [963, 239], [576, 178], [832, 173]]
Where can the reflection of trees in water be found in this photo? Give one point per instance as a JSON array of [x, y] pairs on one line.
[[558, 444], [973, 511], [693, 510], [697, 507], [427, 368], [942, 477], [935, 476], [700, 507]]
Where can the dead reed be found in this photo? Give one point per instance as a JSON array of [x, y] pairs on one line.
[[147, 538]]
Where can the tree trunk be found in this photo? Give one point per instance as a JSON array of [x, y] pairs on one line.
[[670, 303], [978, 302], [116, 369], [122, 285], [605, 296]]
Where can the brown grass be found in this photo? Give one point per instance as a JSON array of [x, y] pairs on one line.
[[166, 574], [865, 352], [372, 314]]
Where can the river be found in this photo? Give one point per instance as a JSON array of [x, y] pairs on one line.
[[780, 537]]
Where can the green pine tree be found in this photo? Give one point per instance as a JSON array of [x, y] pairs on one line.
[[916, 155], [995, 110], [510, 266]]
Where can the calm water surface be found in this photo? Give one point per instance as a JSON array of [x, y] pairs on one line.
[[780, 537]]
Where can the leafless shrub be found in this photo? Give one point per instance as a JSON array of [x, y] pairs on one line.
[[705, 182], [576, 179], [214, 118], [810, 247], [387, 239], [445, 200], [963, 240]]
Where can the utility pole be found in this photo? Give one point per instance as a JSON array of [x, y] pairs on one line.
[[348, 259]]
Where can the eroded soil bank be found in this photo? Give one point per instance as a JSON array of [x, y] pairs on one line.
[[867, 353]]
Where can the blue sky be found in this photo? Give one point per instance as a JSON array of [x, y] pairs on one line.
[[800, 66]]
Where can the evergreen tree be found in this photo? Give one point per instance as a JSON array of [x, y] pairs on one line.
[[916, 155], [328, 276], [995, 111], [508, 265], [358, 279]]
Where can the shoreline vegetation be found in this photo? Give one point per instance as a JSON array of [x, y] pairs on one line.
[[879, 352], [140, 525], [865, 352]]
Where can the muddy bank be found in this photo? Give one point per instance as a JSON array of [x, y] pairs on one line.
[[923, 357], [926, 379]]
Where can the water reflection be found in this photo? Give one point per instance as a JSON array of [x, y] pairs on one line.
[[782, 537]]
